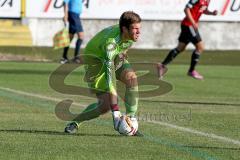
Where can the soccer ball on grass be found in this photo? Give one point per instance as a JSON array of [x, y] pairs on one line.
[[128, 126]]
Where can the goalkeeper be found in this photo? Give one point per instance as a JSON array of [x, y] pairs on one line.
[[105, 61]]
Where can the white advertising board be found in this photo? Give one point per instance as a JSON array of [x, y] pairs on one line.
[[229, 10], [44, 8], [10, 8]]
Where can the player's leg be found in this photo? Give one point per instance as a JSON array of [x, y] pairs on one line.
[[93, 68], [173, 53], [97, 83], [65, 51], [129, 78], [197, 41], [183, 42], [162, 67], [80, 35], [90, 112], [72, 31], [127, 75], [96, 109], [78, 47]]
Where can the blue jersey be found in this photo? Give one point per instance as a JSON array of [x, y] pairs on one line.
[[74, 6]]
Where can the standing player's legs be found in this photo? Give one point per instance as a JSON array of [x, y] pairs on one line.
[[75, 26], [197, 41]]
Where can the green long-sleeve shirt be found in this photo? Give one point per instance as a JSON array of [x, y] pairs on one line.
[[105, 46]]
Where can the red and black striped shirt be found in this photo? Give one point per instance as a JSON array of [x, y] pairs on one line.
[[197, 8]]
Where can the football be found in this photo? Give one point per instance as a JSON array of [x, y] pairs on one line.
[[128, 126]]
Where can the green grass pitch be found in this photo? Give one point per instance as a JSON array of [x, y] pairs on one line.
[[196, 120]]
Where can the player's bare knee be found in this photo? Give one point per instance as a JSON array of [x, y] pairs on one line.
[[200, 48], [80, 35], [131, 75], [131, 79]]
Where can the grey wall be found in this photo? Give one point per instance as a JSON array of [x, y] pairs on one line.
[[155, 34]]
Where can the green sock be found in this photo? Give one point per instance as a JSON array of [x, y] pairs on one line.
[[91, 112], [131, 100]]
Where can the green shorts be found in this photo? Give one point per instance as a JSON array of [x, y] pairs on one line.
[[96, 78]]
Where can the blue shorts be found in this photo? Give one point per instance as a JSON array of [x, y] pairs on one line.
[[75, 24]]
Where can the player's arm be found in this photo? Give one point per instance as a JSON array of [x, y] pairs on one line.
[[190, 17], [65, 8], [188, 13], [110, 49], [207, 12]]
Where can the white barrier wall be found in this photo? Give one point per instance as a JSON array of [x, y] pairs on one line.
[[155, 34], [160, 27], [148, 9]]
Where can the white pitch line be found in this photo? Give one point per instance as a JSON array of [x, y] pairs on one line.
[[209, 135], [183, 129], [38, 96]]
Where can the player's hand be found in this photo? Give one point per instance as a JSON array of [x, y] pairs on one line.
[[215, 12], [65, 20], [195, 26]]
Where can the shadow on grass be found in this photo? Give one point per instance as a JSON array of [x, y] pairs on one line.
[[193, 103], [24, 71], [212, 148], [44, 132]]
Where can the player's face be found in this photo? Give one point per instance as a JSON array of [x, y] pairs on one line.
[[133, 32]]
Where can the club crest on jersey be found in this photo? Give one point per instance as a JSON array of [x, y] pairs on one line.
[[125, 45], [111, 47]]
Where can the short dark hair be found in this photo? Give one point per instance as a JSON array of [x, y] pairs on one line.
[[128, 18]]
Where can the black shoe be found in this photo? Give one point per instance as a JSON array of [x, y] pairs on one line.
[[138, 134], [71, 128]]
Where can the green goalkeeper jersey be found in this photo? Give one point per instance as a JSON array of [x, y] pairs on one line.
[[105, 46]]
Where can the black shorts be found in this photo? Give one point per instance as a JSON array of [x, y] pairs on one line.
[[189, 34], [75, 24]]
